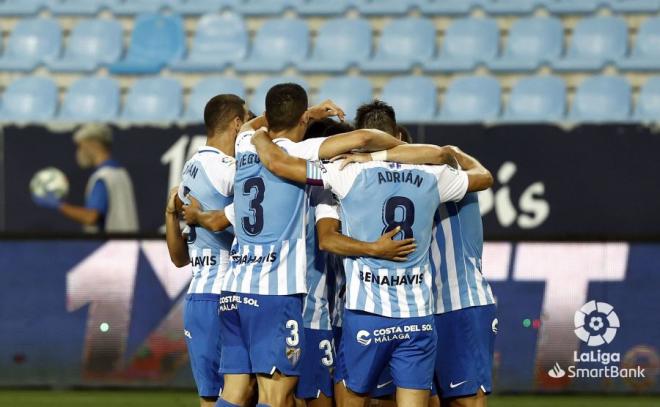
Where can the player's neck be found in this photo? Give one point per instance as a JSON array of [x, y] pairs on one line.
[[295, 134], [223, 142]]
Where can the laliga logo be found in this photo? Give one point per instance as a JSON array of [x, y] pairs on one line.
[[590, 323], [363, 338]]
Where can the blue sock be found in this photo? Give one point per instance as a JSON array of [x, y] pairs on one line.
[[223, 403]]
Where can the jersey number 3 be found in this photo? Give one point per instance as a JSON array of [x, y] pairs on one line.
[[252, 225], [405, 209]]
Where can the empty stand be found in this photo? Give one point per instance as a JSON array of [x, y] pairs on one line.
[[646, 51], [91, 99], [205, 89], [29, 99], [153, 100], [92, 43], [348, 92], [414, 98], [471, 99], [277, 44], [537, 99], [467, 43], [648, 102], [32, 42], [602, 99]]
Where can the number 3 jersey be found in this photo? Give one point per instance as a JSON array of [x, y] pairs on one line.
[[209, 177], [270, 223], [375, 198]]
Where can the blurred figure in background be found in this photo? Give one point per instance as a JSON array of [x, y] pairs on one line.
[[109, 199]]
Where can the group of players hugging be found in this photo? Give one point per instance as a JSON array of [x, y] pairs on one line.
[[331, 265]]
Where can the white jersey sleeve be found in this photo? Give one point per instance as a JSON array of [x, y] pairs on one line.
[[452, 183], [222, 176], [332, 178], [307, 149], [325, 205]]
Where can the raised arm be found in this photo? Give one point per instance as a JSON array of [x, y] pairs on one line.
[[176, 242], [215, 221], [331, 240], [277, 160]]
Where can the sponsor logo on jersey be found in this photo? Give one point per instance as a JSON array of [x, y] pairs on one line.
[[406, 279], [203, 261], [251, 258], [363, 338]]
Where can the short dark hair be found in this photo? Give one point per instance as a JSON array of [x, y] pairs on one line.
[[404, 135], [285, 105], [338, 128], [317, 128], [376, 115], [222, 109]]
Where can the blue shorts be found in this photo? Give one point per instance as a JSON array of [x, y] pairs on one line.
[[201, 324], [372, 343], [466, 339], [317, 364], [261, 333], [338, 374]]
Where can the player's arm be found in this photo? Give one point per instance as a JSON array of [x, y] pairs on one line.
[[360, 140], [333, 241], [80, 214], [479, 178], [254, 124], [215, 221], [278, 161], [176, 242]]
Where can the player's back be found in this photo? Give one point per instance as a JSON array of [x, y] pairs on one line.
[[208, 176], [456, 253]]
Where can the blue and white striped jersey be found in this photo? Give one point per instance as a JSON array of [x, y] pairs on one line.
[[271, 223], [456, 250], [316, 310], [209, 177], [336, 287], [375, 198]]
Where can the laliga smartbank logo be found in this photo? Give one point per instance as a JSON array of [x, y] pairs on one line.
[[596, 324]]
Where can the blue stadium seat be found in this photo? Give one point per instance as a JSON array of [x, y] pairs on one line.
[[277, 44], [20, 7], [403, 43], [532, 42], [348, 92], [323, 7], [447, 7], [648, 102], [339, 44], [32, 41], [156, 40], [91, 99], [75, 7], [414, 98], [205, 90], [537, 99], [154, 100], [91, 43], [602, 99], [596, 42], [384, 7], [634, 6], [220, 39], [203, 6], [264, 7], [573, 6], [512, 7], [29, 99], [471, 99], [646, 52], [258, 100], [126, 7], [467, 42]]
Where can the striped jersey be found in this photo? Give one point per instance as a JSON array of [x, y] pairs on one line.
[[336, 288], [209, 177], [316, 310], [456, 257], [375, 198], [270, 256]]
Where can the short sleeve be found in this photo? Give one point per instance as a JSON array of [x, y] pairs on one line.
[[331, 177], [306, 149], [98, 198], [221, 174], [230, 214], [452, 183], [325, 204]]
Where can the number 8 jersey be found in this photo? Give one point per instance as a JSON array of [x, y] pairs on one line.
[[270, 222], [375, 198]]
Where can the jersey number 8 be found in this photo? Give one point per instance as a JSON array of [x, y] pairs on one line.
[[406, 209]]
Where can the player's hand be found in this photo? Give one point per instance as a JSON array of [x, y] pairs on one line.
[[351, 158], [326, 109], [396, 250], [48, 201], [171, 201], [191, 212]]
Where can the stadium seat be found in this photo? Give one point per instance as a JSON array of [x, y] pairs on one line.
[[323, 7], [91, 99], [384, 7], [602, 99], [414, 98], [648, 102], [277, 44], [32, 41], [471, 99], [153, 100], [467, 42], [646, 52], [75, 7], [634, 6], [220, 39], [91, 43], [596, 42], [29, 99], [20, 7], [124, 7], [264, 7], [205, 89], [156, 40], [447, 7], [202, 6], [348, 92], [512, 7], [339, 44], [258, 100], [403, 43], [573, 6], [537, 99], [532, 42]]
